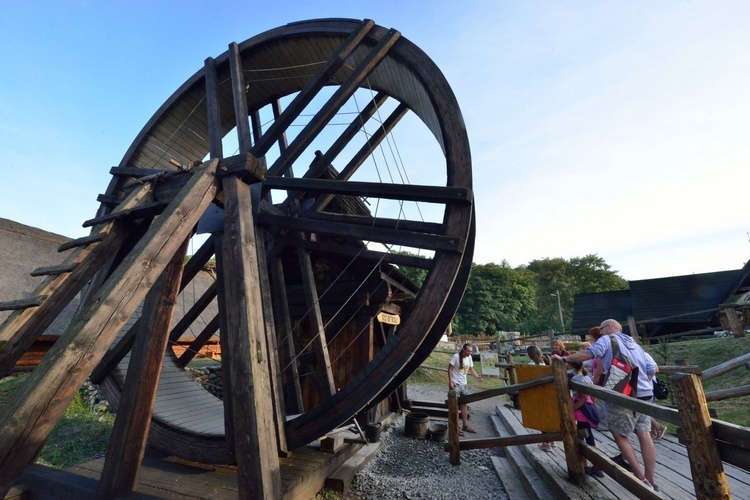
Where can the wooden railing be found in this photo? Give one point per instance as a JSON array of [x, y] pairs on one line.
[[709, 442]]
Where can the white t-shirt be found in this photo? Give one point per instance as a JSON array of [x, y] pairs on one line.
[[459, 373]]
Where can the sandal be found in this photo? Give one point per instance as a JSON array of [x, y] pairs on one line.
[[546, 446], [460, 432], [469, 429]]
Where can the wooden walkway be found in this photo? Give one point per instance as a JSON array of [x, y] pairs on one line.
[[164, 477], [672, 467]]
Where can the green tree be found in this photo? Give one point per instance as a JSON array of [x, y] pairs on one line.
[[497, 297], [588, 274]]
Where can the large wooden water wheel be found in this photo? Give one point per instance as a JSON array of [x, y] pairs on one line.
[[282, 154]]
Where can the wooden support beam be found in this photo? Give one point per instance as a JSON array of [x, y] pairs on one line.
[[215, 148], [360, 253], [364, 152], [732, 392], [239, 96], [356, 231], [634, 329], [573, 457], [140, 212], [194, 312], [128, 440], [201, 340], [311, 89], [246, 379], [22, 328], [116, 353], [272, 354], [319, 343], [322, 161], [733, 322], [37, 405], [287, 350], [327, 111], [709, 478], [404, 192], [245, 166], [454, 446]]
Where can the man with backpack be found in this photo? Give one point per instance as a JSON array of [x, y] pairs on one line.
[[629, 371]]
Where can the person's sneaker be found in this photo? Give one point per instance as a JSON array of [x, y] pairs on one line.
[[622, 463], [596, 472]]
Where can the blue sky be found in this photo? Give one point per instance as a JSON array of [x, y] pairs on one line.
[[614, 128]]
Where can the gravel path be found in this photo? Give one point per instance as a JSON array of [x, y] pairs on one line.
[[413, 468]]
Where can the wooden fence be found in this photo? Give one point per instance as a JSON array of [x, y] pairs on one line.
[[709, 442]]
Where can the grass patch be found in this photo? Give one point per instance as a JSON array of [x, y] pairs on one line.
[[707, 353], [81, 434]]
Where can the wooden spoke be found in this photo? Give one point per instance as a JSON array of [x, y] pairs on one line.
[[335, 103], [405, 192], [376, 234], [311, 89]]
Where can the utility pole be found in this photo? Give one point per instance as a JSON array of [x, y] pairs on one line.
[[559, 309]]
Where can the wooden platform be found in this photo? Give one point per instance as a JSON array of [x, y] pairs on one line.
[[164, 477], [672, 466]]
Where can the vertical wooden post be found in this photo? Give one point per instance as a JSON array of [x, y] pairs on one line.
[[709, 479], [573, 457], [733, 322], [258, 474], [453, 441], [634, 329], [128, 442]]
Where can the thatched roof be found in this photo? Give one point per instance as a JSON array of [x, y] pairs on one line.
[[22, 250]]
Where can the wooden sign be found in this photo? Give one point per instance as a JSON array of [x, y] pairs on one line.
[[389, 319], [539, 408]]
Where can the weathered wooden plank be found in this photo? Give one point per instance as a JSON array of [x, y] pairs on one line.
[[202, 339], [239, 96], [705, 461], [287, 350], [140, 212], [279, 409], [363, 220], [568, 429], [82, 242], [725, 367], [136, 172], [247, 381], [25, 303], [213, 109], [128, 441], [317, 328], [42, 399], [404, 192], [383, 235], [360, 253], [333, 104], [66, 267], [244, 165]]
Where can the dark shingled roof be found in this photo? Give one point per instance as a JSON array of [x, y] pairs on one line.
[[665, 305]]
